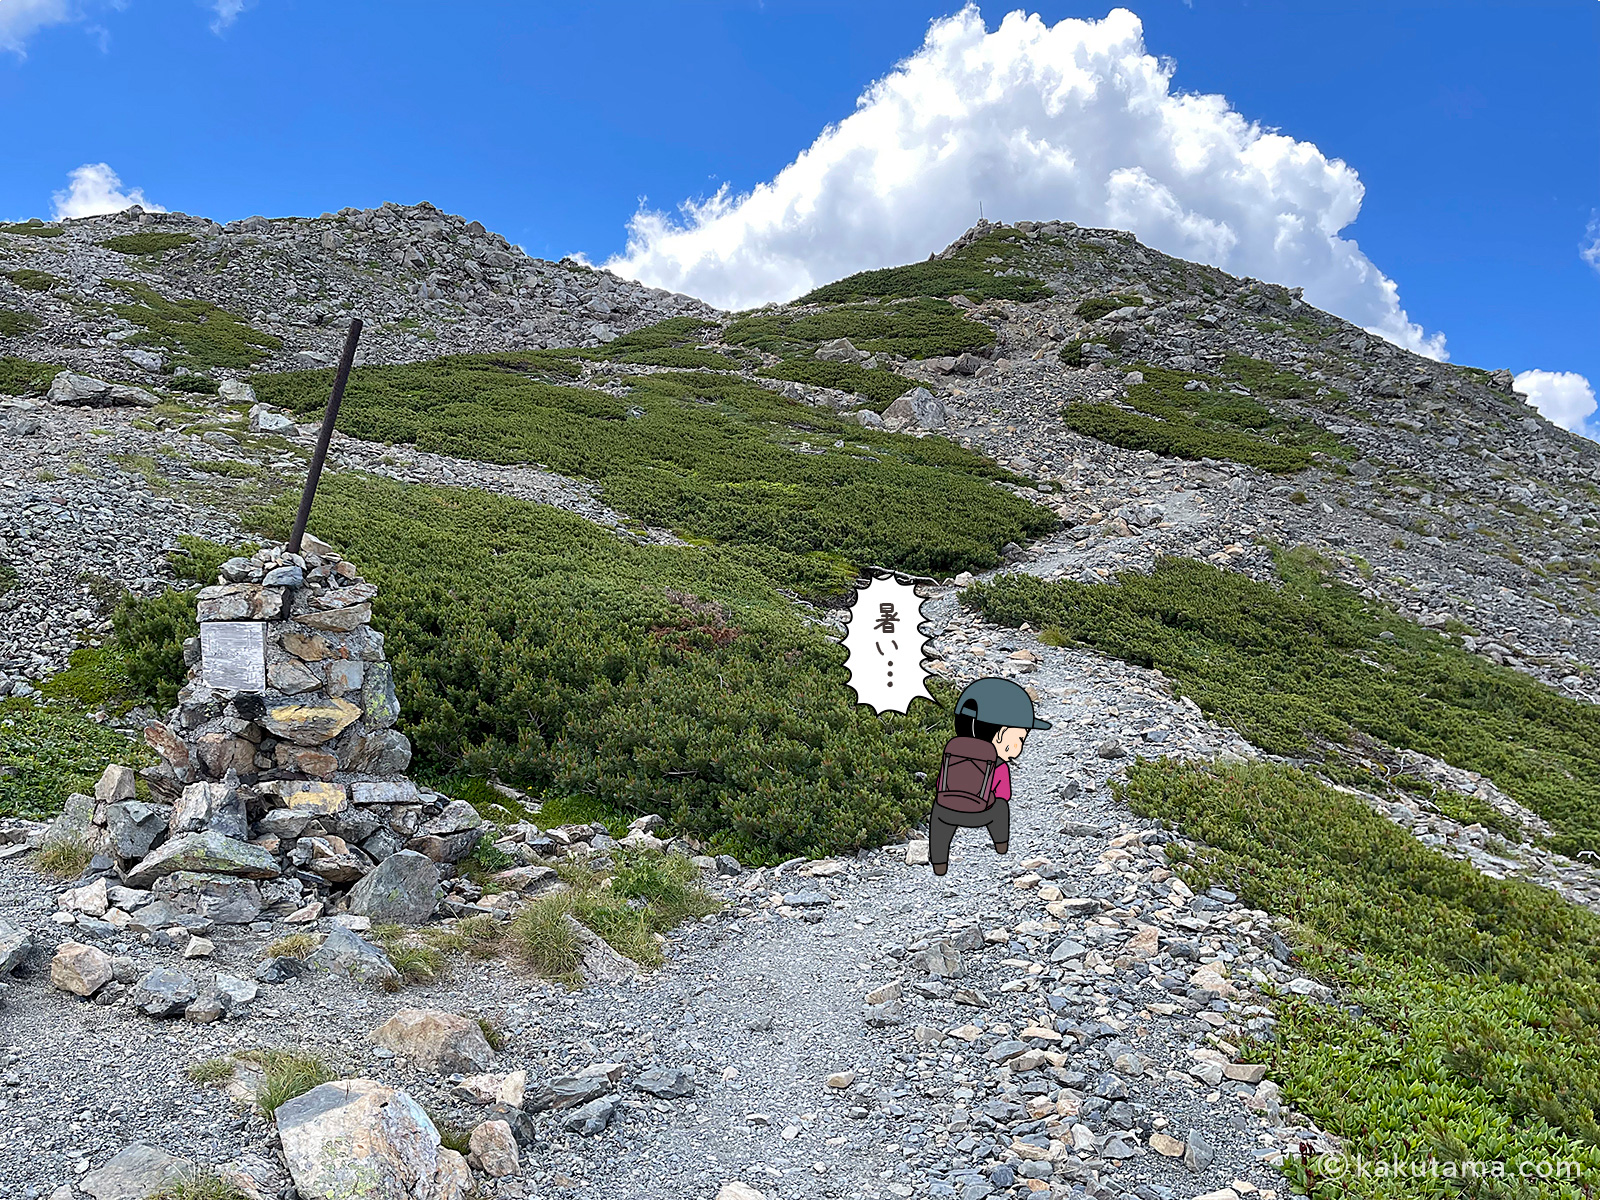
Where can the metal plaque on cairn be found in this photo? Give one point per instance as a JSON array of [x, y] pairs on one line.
[[233, 655]]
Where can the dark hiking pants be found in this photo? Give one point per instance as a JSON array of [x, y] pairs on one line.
[[944, 822]]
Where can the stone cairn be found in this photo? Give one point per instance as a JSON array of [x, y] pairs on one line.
[[281, 787]]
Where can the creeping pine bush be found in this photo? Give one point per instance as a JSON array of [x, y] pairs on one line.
[[873, 383], [1180, 438], [15, 324], [534, 644], [1096, 307], [674, 331], [199, 334], [1468, 1021], [1208, 423], [969, 272], [51, 750], [148, 242], [917, 328], [33, 227], [32, 281], [21, 377], [713, 456], [1302, 669], [1265, 378]]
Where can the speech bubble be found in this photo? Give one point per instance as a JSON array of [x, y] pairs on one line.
[[885, 644]]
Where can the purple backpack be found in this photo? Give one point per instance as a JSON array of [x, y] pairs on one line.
[[966, 773]]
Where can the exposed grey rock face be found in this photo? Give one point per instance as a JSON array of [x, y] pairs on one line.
[[918, 408], [208, 852], [346, 953], [133, 827], [164, 992], [82, 391], [15, 946], [358, 1137], [134, 1173]]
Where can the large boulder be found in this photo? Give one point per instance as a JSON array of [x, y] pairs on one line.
[[917, 408], [208, 852], [841, 350], [134, 1173], [84, 391], [356, 1137], [436, 1041], [404, 888]]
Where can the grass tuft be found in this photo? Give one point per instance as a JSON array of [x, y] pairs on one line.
[[63, 857], [546, 942], [294, 945], [210, 1071], [286, 1074], [198, 1183]]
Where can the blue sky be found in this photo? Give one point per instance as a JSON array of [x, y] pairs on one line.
[[1473, 129]]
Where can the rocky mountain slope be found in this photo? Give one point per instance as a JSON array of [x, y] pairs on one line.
[[1067, 1021]]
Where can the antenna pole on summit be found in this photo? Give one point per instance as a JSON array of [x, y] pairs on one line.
[[346, 360]]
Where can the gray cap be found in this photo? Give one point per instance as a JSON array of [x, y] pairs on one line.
[[998, 702]]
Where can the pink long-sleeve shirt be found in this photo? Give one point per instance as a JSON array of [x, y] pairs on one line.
[[1000, 785]]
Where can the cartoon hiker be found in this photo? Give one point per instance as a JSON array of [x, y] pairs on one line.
[[993, 717]]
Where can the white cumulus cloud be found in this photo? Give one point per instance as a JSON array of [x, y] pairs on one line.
[[1563, 397], [1073, 121], [95, 188], [227, 11], [1589, 251], [21, 19]]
